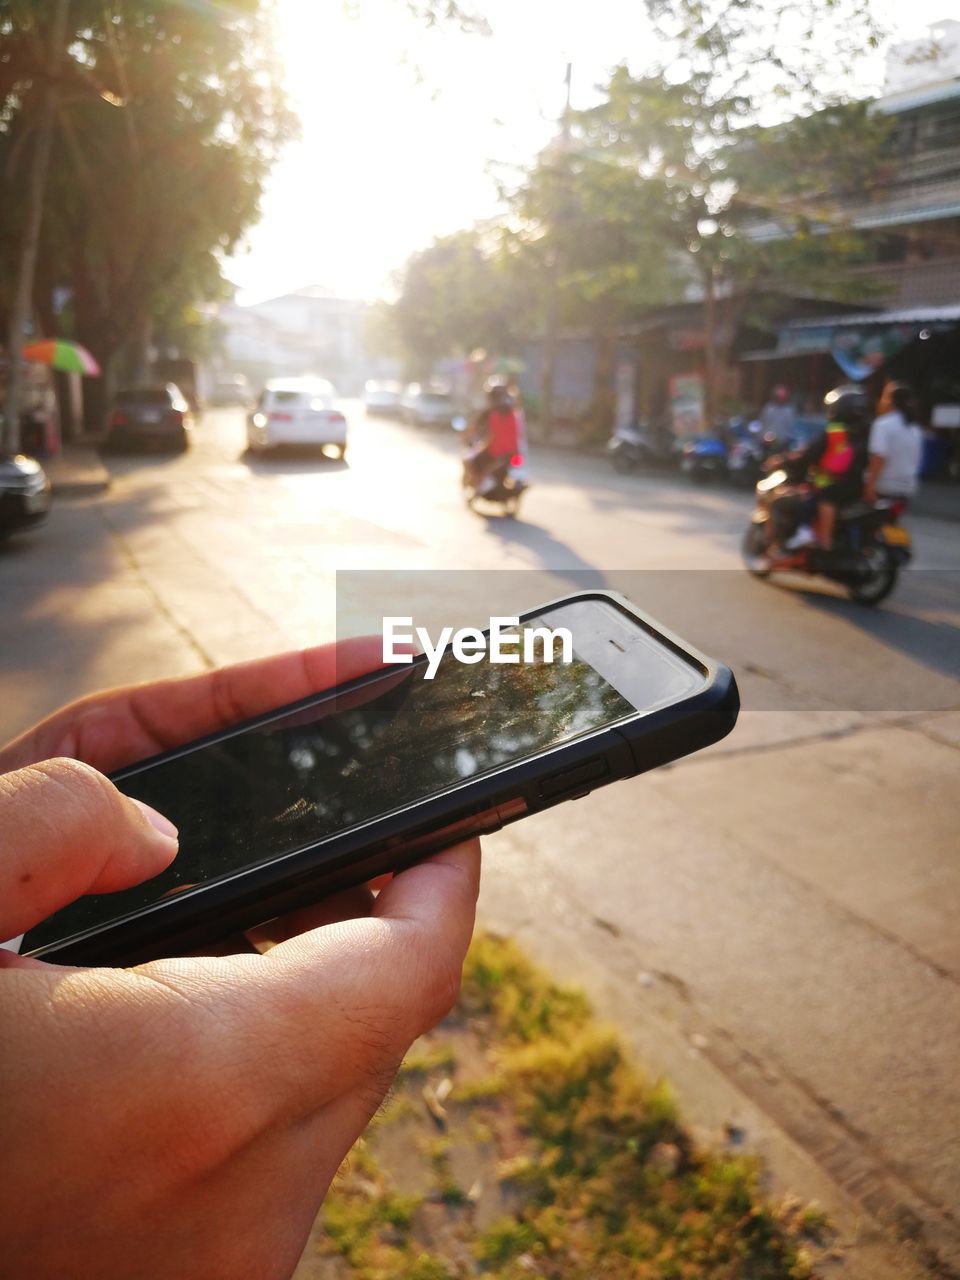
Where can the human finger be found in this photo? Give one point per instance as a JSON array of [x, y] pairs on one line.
[[349, 904], [348, 1000], [68, 831]]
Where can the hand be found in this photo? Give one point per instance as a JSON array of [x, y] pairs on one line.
[[184, 1119]]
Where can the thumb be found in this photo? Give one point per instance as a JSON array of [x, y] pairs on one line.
[[65, 830]]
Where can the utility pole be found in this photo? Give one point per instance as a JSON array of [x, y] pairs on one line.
[[23, 294], [548, 370]]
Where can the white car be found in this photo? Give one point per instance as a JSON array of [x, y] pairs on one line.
[[428, 406], [297, 411]]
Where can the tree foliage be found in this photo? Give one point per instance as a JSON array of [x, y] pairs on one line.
[[169, 119], [726, 168], [784, 57], [456, 295]]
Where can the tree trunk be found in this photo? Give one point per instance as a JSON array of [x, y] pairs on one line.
[[97, 394], [604, 393], [548, 368], [23, 294], [710, 347]]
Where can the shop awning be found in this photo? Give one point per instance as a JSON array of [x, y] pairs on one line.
[[861, 343]]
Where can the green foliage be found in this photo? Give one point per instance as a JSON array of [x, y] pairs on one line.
[[725, 170], [589, 1167], [354, 1220], [615, 1187], [456, 295], [169, 119], [500, 983], [791, 55]]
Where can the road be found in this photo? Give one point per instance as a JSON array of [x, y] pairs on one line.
[[772, 923]]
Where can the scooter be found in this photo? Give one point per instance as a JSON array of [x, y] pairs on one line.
[[502, 484], [632, 446], [704, 458], [751, 448], [869, 546]]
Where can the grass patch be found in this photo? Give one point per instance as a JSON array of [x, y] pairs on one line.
[[557, 1159]]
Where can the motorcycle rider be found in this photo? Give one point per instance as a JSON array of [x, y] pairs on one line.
[[834, 462], [496, 432]]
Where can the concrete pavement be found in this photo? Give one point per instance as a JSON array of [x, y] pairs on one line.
[[772, 922]]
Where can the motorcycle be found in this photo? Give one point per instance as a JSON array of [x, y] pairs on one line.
[[751, 448], [503, 483], [869, 546], [703, 458], [631, 447]]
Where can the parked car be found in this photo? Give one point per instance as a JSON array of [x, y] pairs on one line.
[[383, 398], [152, 416], [302, 411], [184, 374], [24, 493], [427, 406]]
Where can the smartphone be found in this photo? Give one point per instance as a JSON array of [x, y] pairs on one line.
[[379, 772]]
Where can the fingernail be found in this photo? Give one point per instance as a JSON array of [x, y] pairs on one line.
[[157, 820]]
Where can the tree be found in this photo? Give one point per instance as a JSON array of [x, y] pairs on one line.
[[165, 134], [740, 204], [456, 295], [783, 57], [29, 246], [584, 234]]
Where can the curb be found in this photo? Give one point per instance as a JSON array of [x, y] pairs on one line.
[[77, 472]]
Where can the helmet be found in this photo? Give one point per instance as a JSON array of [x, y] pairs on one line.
[[781, 393], [498, 394], [848, 405]]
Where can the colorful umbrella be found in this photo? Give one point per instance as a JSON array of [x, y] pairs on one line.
[[69, 357]]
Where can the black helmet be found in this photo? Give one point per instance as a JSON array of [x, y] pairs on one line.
[[848, 405], [498, 394]]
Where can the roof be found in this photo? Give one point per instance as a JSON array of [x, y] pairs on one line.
[[904, 315], [925, 95]]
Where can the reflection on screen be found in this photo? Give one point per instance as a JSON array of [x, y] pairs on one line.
[[291, 783]]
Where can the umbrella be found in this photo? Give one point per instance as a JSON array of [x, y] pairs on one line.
[[69, 357]]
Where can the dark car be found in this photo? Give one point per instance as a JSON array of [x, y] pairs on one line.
[[24, 494], [156, 416]]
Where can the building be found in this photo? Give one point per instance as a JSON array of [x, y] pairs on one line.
[[310, 331], [913, 63], [911, 219]]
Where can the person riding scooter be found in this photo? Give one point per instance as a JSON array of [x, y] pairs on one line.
[[833, 463], [496, 435]]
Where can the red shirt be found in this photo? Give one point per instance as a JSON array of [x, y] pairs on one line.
[[504, 432]]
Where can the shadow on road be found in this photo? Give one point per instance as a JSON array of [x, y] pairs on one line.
[[933, 641], [550, 552]]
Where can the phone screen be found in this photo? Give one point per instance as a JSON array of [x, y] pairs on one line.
[[282, 786]]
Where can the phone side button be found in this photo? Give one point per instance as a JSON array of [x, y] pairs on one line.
[[572, 782]]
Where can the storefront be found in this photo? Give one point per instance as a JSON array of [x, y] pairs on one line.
[[919, 345]]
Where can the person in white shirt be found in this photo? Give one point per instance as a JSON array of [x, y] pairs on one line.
[[777, 416], [895, 446]]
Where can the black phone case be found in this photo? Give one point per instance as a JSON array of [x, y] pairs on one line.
[[211, 913]]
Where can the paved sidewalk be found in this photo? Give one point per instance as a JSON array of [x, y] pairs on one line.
[[77, 471]]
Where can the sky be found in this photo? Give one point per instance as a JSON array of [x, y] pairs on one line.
[[405, 131]]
